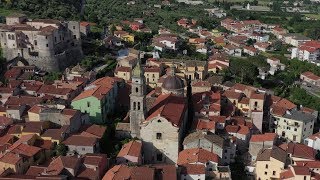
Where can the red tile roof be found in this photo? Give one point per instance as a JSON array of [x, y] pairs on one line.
[[218, 119], [196, 155], [10, 158], [77, 140], [205, 125], [132, 148], [309, 164], [263, 137], [286, 104], [35, 170], [62, 162], [286, 174], [232, 94], [310, 75], [301, 170], [170, 107], [24, 149], [127, 172], [299, 150], [193, 169], [99, 88], [93, 130]]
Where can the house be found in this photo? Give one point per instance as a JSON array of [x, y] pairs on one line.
[[193, 171], [152, 74], [85, 28], [262, 46], [5, 122], [299, 152], [165, 41], [296, 172], [295, 39], [207, 104], [309, 77], [270, 163], [64, 165], [224, 148], [56, 136], [78, 144], [130, 153], [275, 65], [186, 23], [279, 32], [250, 50], [125, 36], [70, 117], [293, 125], [259, 142], [123, 73], [313, 141], [93, 130], [263, 38], [308, 51], [200, 86], [94, 166], [232, 50], [218, 61], [150, 172], [199, 156], [242, 133], [98, 98]]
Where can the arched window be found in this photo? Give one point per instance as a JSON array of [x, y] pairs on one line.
[[137, 89], [138, 105], [9, 36], [134, 105]]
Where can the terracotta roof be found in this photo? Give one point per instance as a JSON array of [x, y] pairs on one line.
[[193, 169], [244, 130], [299, 150], [257, 96], [88, 173], [35, 170], [315, 136], [170, 107], [62, 162], [77, 140], [309, 164], [55, 134], [232, 128], [94, 159], [274, 152], [99, 88], [93, 130], [122, 69], [7, 139], [286, 174], [83, 23], [196, 155], [132, 148], [244, 100], [164, 171], [218, 119], [301, 170], [24, 149], [5, 121], [10, 158], [263, 137], [232, 94], [205, 124], [52, 89], [310, 75], [286, 104], [250, 48], [23, 100], [127, 172]]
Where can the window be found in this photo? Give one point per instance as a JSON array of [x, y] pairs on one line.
[[159, 121], [159, 157], [304, 129], [310, 126], [138, 105], [9, 36], [296, 123], [47, 45], [46, 37], [134, 105], [159, 136], [74, 27], [88, 104], [274, 173], [265, 173], [55, 39], [137, 89], [304, 177], [295, 129], [35, 42], [255, 103], [83, 149], [266, 166], [74, 37]]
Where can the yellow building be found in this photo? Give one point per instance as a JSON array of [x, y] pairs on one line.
[[270, 163], [152, 75], [123, 72], [216, 33], [128, 38]]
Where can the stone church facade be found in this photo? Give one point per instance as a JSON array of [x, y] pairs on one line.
[[163, 127]]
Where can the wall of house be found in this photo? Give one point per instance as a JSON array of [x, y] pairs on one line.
[[82, 150], [266, 172], [92, 106], [193, 176]]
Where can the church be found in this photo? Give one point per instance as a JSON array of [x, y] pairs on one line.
[[163, 127]]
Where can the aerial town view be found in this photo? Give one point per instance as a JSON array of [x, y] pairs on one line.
[[159, 89]]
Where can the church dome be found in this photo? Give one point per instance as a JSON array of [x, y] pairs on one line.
[[172, 82]]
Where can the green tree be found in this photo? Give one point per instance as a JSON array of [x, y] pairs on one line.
[[61, 150]]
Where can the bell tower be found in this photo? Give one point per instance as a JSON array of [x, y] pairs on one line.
[[138, 108]]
